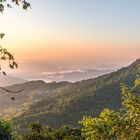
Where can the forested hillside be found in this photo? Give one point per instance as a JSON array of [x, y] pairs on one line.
[[68, 103]]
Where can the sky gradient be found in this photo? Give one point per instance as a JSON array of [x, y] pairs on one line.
[[73, 32]]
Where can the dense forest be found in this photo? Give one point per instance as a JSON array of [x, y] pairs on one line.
[[69, 102], [122, 124]]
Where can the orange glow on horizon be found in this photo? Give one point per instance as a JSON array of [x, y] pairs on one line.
[[72, 50]]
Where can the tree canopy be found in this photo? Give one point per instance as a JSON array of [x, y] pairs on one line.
[[109, 125], [122, 125], [8, 4], [5, 55]]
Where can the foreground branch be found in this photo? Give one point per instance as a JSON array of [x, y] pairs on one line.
[[11, 91]]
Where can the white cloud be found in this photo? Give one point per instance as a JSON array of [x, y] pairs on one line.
[[63, 72]]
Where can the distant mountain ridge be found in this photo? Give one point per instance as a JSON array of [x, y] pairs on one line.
[[61, 103], [10, 80], [74, 75]]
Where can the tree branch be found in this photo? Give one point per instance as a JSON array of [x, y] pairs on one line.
[[11, 91]]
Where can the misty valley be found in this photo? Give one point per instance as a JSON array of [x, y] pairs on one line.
[[69, 70]]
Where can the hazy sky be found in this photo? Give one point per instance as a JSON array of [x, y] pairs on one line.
[[73, 32]]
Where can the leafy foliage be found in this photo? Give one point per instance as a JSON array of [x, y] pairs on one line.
[[35, 132], [5, 127], [122, 125], [5, 131], [3, 3], [38, 132], [7, 56], [4, 54]]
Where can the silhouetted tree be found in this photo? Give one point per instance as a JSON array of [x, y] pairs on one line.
[[5, 55], [6, 3], [5, 127]]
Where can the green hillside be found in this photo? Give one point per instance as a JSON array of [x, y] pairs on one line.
[[74, 100]]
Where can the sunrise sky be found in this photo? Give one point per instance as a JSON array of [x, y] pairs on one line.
[[70, 33]]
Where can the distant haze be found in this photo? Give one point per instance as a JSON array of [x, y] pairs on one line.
[[10, 80], [57, 36]]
